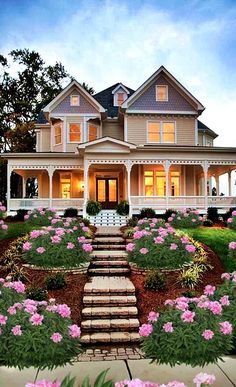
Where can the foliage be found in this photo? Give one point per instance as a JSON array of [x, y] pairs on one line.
[[16, 230], [128, 233], [56, 247], [147, 213], [185, 219], [35, 333], [85, 221], [123, 208], [93, 207], [79, 227], [195, 331], [207, 223], [228, 213], [20, 215], [55, 282], [190, 276], [232, 251], [36, 293], [2, 211], [169, 213], [99, 382], [41, 216], [155, 280], [3, 229], [212, 214], [132, 222], [231, 222], [71, 213]]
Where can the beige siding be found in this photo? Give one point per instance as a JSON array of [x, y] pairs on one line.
[[200, 139], [45, 140], [137, 129], [189, 180], [113, 129]]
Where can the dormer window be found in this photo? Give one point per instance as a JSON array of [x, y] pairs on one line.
[[120, 98], [161, 93], [120, 93], [74, 100]]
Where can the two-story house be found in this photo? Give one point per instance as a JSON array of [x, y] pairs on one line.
[[146, 146]]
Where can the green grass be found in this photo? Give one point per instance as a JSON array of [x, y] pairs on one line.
[[217, 239], [17, 229]]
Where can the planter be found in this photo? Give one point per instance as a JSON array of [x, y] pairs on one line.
[[140, 270], [73, 270]]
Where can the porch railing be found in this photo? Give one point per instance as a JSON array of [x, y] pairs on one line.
[[58, 204]]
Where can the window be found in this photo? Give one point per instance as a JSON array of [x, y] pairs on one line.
[[160, 183], [74, 132], [57, 134], [120, 98], [74, 100], [148, 183], [92, 132], [161, 93], [161, 132], [155, 183], [175, 185], [65, 180]]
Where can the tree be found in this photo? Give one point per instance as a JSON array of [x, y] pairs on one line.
[[89, 89]]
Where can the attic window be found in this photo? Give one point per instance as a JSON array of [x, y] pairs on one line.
[[74, 100], [161, 93], [120, 98]]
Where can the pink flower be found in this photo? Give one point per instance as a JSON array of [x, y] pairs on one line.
[[63, 310], [2, 208], [3, 319], [44, 383], [225, 301], [11, 310], [16, 330], [18, 286], [230, 220], [226, 328], [169, 302], [181, 305], [225, 276], [55, 239], [40, 250], [232, 245], [190, 248], [203, 378], [153, 316], [81, 239], [35, 234], [85, 229], [87, 247], [74, 331], [70, 246], [188, 316], [158, 240], [130, 247], [143, 250], [145, 330], [54, 221], [36, 319], [209, 290], [234, 213], [168, 327], [173, 246], [4, 226], [27, 246], [184, 240], [30, 308], [170, 219], [60, 231], [215, 307], [56, 337], [208, 334], [26, 217]]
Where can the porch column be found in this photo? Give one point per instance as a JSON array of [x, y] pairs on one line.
[[23, 187], [229, 183], [217, 185], [50, 175], [86, 186], [167, 169], [205, 170], [128, 169], [9, 171]]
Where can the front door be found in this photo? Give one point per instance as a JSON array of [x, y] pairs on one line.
[[106, 192]]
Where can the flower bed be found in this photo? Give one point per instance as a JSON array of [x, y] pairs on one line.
[[156, 246], [56, 247], [41, 216], [2, 211], [3, 228], [232, 251], [194, 331], [37, 334], [231, 222], [185, 219]]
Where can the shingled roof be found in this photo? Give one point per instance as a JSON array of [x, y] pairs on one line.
[[41, 119], [203, 128], [106, 99]]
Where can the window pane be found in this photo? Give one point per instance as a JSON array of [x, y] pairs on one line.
[[161, 185], [154, 132], [57, 130], [74, 132], [168, 127], [169, 137], [148, 173], [148, 183], [101, 190], [92, 133], [161, 93], [112, 190], [74, 100], [175, 189]]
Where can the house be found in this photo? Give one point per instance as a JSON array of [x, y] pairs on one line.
[[145, 146]]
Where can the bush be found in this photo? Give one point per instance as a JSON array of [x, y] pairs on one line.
[[71, 213], [20, 215], [231, 222], [93, 208], [41, 216], [228, 214], [36, 293], [212, 214], [207, 223], [128, 233], [195, 331], [2, 211], [132, 222], [155, 280], [190, 276], [3, 229], [147, 213], [123, 208], [185, 219], [55, 282], [58, 247], [85, 221], [232, 253], [169, 213], [35, 333]]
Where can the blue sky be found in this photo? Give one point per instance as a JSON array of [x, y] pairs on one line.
[[103, 42]]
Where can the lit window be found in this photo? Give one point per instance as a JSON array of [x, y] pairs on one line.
[[120, 98], [160, 183], [92, 135], [57, 131], [168, 129], [74, 100], [175, 183], [161, 93], [154, 132], [148, 183], [74, 132]]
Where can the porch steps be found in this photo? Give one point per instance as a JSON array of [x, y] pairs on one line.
[[110, 313], [108, 218]]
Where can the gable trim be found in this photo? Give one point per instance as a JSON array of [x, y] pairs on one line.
[[107, 138], [122, 86]]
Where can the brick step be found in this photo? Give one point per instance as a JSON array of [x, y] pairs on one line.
[[105, 258], [109, 285], [108, 234], [111, 239], [109, 254], [128, 324], [109, 300], [109, 311], [114, 246], [111, 337], [108, 263], [109, 271]]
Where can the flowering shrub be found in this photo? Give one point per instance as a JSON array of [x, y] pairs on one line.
[[56, 247], [2, 210], [34, 333], [185, 219], [195, 331], [3, 228], [231, 222], [156, 246], [232, 251], [41, 216], [79, 228]]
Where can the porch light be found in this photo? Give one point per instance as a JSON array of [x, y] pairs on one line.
[[81, 185]]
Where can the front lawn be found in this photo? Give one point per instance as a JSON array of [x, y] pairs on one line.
[[218, 240]]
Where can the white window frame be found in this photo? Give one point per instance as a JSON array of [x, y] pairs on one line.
[[162, 100], [54, 137], [161, 132], [97, 131], [71, 98], [68, 133]]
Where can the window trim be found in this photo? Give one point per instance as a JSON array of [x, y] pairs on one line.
[[161, 132], [74, 95], [68, 133], [167, 94], [59, 124]]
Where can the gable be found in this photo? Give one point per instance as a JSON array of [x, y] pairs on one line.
[[176, 100], [84, 107], [107, 147]]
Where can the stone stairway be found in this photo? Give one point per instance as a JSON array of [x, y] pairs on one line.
[[110, 314]]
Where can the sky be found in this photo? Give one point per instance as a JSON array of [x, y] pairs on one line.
[[102, 42]]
